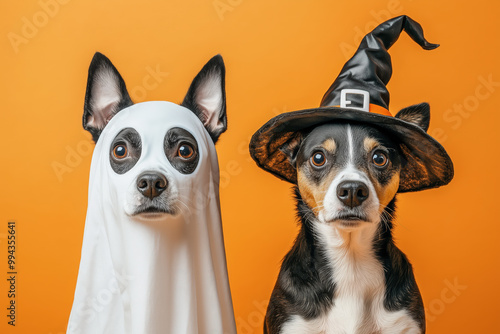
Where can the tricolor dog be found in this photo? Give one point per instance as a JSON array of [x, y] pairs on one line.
[[348, 160], [153, 257]]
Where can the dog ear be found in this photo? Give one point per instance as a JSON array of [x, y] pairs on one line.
[[418, 114], [106, 95], [291, 148], [206, 97]]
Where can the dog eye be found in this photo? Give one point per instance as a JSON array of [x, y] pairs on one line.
[[380, 159], [185, 151], [120, 151], [318, 159]]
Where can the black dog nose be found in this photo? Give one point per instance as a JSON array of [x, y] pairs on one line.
[[151, 184], [352, 193]]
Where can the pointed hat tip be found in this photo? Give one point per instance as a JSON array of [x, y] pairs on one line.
[[370, 68], [430, 46]]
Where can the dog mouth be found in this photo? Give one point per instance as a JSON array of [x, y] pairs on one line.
[[349, 219], [153, 211]]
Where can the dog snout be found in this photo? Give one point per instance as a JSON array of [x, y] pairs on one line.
[[151, 185], [352, 193]]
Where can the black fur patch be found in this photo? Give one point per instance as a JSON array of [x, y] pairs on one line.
[[401, 288], [304, 282], [174, 138], [129, 138]]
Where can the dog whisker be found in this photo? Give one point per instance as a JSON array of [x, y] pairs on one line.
[[187, 208]]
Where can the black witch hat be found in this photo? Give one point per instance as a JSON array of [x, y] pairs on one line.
[[359, 95]]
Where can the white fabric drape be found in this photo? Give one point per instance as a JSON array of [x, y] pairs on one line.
[[148, 277]]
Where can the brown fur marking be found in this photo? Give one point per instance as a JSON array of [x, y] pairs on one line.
[[312, 194], [386, 193], [369, 144], [329, 145]]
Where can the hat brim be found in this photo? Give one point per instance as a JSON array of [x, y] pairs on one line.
[[425, 163]]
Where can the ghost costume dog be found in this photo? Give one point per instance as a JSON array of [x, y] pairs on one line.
[[153, 256]]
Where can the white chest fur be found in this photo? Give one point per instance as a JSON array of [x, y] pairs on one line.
[[358, 306]]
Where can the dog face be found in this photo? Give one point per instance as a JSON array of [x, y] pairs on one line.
[[347, 173], [150, 159], [153, 192]]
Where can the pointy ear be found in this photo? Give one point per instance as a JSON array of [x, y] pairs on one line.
[[206, 97], [418, 114], [291, 148], [106, 95]]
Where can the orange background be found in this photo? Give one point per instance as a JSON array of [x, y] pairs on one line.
[[280, 56]]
